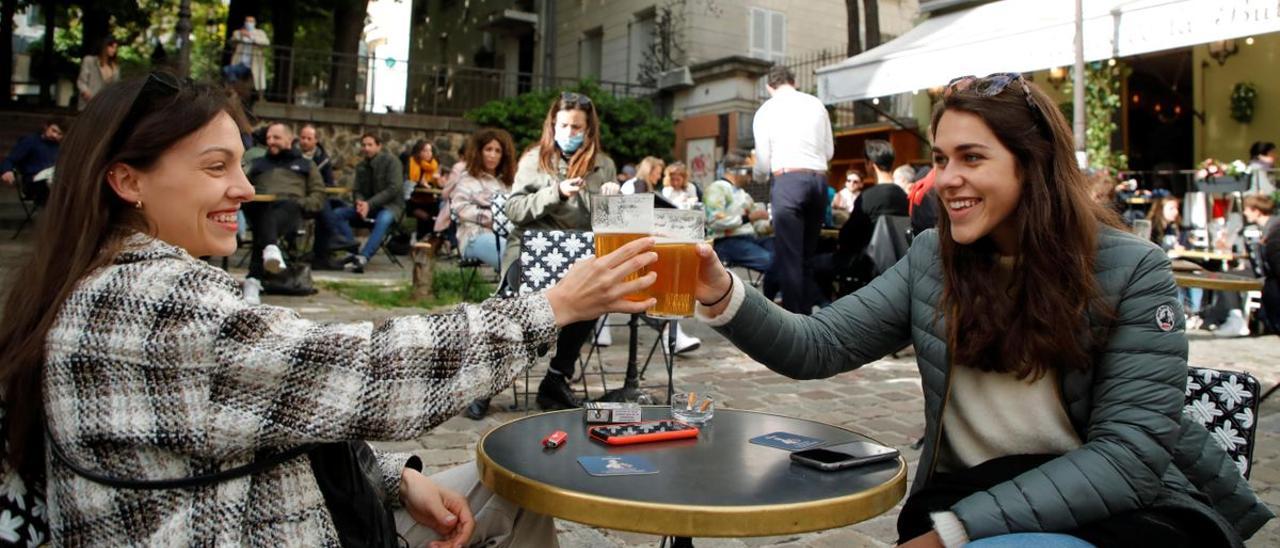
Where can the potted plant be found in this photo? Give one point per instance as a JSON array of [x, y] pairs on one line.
[[1215, 177]]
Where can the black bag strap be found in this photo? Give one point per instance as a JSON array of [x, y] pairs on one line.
[[258, 465]]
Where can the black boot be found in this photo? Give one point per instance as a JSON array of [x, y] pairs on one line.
[[478, 409], [554, 393]]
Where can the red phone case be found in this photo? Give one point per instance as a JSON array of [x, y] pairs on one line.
[[642, 432]]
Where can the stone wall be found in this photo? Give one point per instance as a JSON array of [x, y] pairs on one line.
[[340, 131]]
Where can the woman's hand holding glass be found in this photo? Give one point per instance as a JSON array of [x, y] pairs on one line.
[[714, 281], [594, 286]]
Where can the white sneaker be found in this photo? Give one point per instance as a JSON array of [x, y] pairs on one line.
[[272, 259], [252, 289], [684, 343], [605, 338], [1235, 326], [1194, 322]]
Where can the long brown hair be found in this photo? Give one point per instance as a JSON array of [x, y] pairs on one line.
[[474, 157], [102, 51], [1038, 323], [1156, 216], [84, 228], [584, 158]]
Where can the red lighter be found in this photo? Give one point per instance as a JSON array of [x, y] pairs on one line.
[[556, 439]]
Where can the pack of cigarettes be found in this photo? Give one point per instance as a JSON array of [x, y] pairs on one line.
[[597, 412]]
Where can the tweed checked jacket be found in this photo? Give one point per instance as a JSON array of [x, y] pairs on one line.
[[156, 368]]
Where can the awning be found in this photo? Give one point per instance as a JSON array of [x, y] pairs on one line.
[[1028, 35]]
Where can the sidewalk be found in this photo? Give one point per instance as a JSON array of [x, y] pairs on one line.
[[882, 400]]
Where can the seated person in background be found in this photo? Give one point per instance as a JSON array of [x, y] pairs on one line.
[[491, 167], [880, 198], [1260, 211], [308, 145], [296, 184], [923, 207], [731, 219], [333, 234], [626, 173], [1054, 391], [677, 188], [379, 192], [646, 178], [1166, 231], [904, 176], [422, 172], [31, 157], [843, 204]]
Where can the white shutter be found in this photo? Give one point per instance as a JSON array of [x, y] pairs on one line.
[[758, 34], [777, 36]]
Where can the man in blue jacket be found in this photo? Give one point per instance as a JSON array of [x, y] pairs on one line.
[[33, 155]]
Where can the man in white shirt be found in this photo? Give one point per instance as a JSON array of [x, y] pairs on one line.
[[793, 145]]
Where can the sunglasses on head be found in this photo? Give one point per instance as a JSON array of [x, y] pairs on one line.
[[571, 98], [159, 85], [991, 85]]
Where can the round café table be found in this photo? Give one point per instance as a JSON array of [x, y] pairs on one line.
[[1218, 281], [718, 485]]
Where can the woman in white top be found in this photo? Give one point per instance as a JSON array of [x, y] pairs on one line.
[[676, 187], [96, 71], [648, 173]]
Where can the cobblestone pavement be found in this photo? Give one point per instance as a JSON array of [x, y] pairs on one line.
[[882, 400]]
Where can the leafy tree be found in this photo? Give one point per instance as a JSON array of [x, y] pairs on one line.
[[1101, 103], [629, 129]]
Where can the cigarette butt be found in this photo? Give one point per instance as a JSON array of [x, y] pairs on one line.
[[705, 404], [688, 404]]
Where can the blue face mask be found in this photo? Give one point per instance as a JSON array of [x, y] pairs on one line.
[[568, 143]]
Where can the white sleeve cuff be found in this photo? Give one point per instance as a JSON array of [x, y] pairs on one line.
[[950, 528], [736, 296]]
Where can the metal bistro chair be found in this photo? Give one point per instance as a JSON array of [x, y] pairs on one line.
[[28, 203], [545, 258], [471, 266], [1226, 403]]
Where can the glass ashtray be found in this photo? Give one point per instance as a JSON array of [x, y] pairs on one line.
[[693, 408]]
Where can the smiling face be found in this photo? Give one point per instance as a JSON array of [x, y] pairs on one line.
[[427, 153], [191, 194], [978, 180], [278, 139]]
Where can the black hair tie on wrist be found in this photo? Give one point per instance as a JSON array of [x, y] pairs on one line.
[[726, 294]]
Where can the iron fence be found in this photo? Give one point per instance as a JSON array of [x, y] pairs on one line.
[[309, 77]]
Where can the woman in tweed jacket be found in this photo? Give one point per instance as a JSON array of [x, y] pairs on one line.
[[144, 363]]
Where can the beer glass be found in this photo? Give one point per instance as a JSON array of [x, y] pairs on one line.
[[619, 219], [678, 234]]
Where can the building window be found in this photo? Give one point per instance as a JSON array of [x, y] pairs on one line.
[[767, 35], [590, 53], [642, 36]]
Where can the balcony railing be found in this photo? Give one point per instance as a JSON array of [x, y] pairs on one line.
[[310, 77]]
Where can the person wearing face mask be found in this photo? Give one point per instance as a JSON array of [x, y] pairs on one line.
[[250, 53], [553, 181], [1050, 347]]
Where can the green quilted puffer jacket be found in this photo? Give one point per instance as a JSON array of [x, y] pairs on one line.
[[1127, 408]]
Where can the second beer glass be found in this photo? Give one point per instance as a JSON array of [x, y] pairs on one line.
[[678, 234]]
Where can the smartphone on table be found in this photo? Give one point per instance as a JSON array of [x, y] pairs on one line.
[[845, 455]]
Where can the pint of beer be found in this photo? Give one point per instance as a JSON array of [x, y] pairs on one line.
[[678, 233], [619, 219]]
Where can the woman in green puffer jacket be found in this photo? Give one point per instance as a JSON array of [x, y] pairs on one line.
[[1050, 343]]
